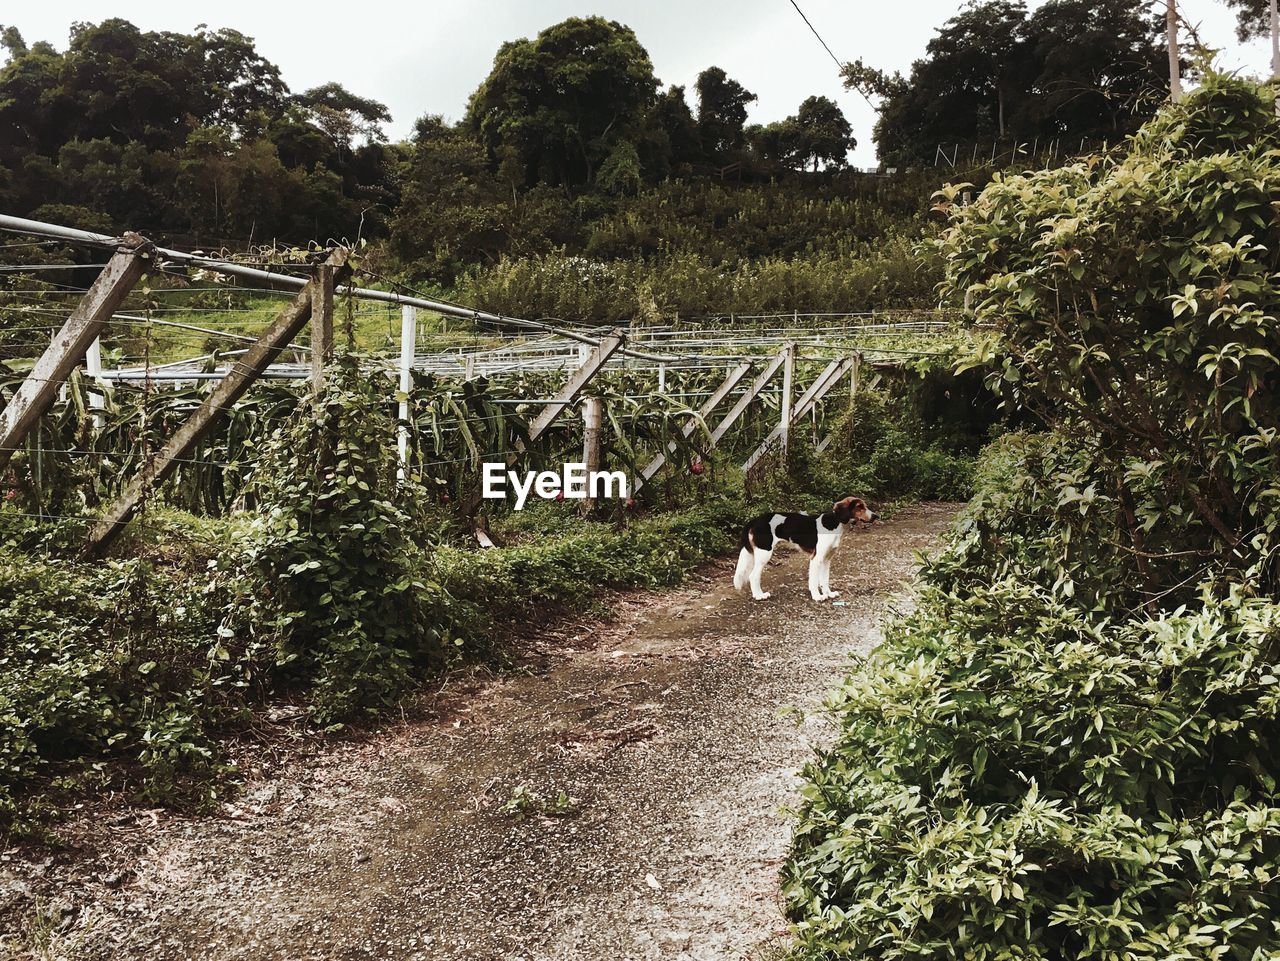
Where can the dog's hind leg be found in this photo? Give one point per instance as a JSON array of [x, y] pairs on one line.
[[742, 573], [761, 559]]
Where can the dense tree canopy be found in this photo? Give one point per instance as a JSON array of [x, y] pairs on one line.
[[197, 135], [817, 133], [193, 134], [722, 112], [567, 99], [1073, 68]]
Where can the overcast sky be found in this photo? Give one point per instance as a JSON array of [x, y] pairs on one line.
[[427, 57]]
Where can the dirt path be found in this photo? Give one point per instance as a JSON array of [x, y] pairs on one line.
[[666, 731]]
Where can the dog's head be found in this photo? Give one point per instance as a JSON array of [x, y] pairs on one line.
[[853, 509]]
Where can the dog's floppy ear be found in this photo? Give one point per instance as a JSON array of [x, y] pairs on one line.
[[843, 510]]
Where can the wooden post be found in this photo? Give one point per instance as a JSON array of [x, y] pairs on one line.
[[788, 377], [288, 323], [712, 402], [70, 345], [592, 419], [408, 349], [321, 325]]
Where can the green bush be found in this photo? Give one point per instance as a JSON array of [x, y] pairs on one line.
[[885, 448], [491, 590], [887, 274], [335, 561], [117, 660], [1013, 778], [1069, 748]]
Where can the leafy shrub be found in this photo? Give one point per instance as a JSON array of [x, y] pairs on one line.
[[1013, 778], [335, 556], [1068, 750], [884, 448], [490, 590], [113, 660], [888, 274]]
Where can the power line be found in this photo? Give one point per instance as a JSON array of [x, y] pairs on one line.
[[840, 65], [838, 62]]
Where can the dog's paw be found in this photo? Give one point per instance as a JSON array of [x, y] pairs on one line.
[[819, 597], [831, 594], [762, 597]]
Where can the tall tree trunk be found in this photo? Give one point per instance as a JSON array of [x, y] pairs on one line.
[[1171, 32], [1000, 108], [1275, 41]]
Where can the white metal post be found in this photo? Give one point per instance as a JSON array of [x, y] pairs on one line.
[[93, 370], [1171, 39], [408, 349], [788, 375]]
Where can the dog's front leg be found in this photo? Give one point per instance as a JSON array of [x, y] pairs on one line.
[[826, 577], [815, 579]]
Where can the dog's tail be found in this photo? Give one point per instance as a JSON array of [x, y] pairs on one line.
[[746, 557]]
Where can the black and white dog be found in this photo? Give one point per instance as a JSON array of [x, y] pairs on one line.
[[816, 536]]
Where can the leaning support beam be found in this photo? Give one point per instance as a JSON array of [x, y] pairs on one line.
[[745, 400], [593, 362], [70, 345], [712, 402], [230, 389], [591, 365], [817, 390]]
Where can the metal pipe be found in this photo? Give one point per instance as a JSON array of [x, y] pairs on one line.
[[39, 228]]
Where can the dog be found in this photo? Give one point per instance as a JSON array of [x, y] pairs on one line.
[[816, 536]]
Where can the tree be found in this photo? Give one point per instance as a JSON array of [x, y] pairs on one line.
[[1094, 68], [12, 41], [722, 112], [193, 132], [776, 143], [343, 115], [971, 79], [453, 208], [673, 116], [564, 100], [823, 133], [1254, 18], [1074, 68]]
